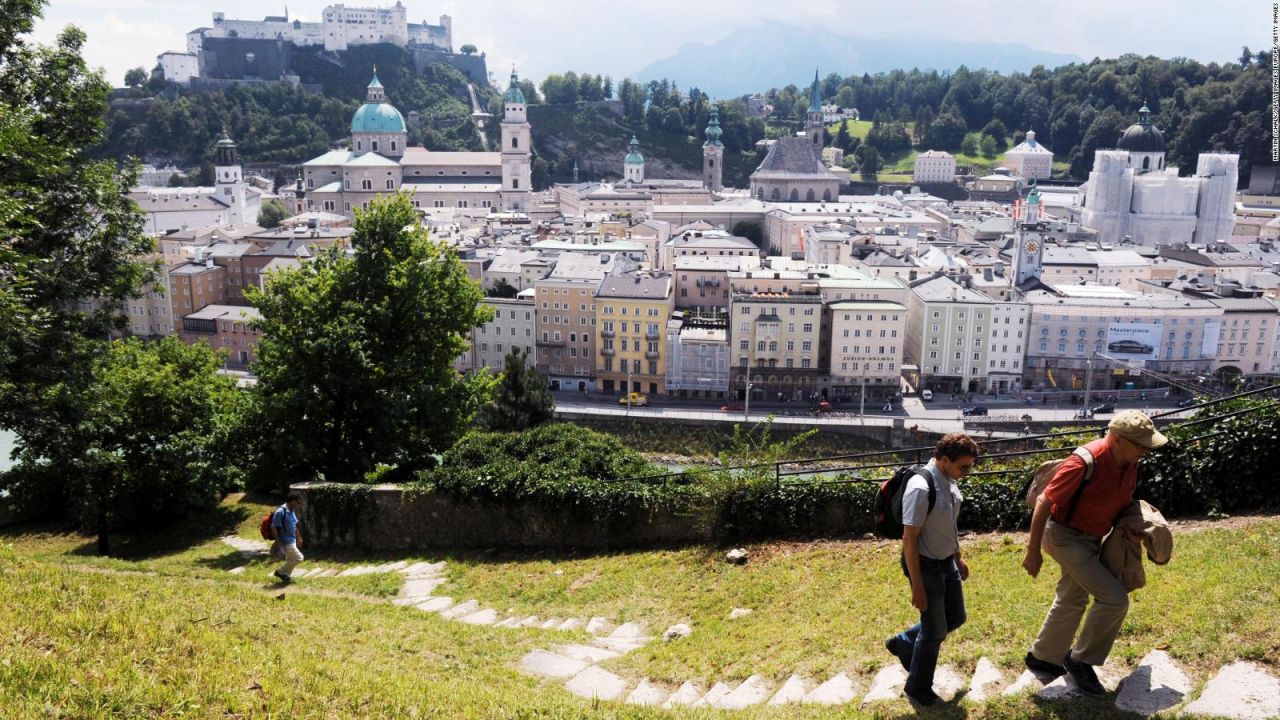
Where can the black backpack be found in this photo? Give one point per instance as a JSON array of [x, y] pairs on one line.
[[888, 507]]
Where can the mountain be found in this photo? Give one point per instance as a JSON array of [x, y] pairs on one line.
[[754, 59]]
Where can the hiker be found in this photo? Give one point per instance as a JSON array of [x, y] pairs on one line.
[[285, 523], [931, 560], [1071, 517]]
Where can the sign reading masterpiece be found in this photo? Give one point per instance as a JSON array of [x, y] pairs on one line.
[[1134, 341]]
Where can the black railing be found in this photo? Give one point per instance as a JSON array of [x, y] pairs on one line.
[[921, 454]]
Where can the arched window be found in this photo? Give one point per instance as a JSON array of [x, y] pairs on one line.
[[809, 197], [393, 146], [366, 184], [1146, 163], [515, 142], [776, 195], [826, 196], [1062, 346], [346, 184], [795, 194], [711, 162], [359, 145], [391, 184]]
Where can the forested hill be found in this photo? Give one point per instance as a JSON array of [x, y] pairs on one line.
[[1075, 109], [278, 123]]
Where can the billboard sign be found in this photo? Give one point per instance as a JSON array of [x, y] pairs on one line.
[[1134, 341], [1209, 345]]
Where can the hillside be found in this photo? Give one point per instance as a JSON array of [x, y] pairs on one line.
[[282, 124]]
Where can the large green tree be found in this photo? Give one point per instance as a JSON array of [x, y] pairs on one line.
[[70, 235], [523, 398], [356, 364]]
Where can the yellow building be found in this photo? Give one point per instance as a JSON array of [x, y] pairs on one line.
[[631, 318]]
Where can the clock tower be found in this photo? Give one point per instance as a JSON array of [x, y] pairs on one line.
[[1029, 253]]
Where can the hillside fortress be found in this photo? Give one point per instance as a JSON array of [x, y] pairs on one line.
[[339, 28]]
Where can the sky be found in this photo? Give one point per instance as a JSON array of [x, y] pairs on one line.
[[618, 37]]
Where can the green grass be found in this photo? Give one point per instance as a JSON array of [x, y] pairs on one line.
[[164, 632], [858, 128]]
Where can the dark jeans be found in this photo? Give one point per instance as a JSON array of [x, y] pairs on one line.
[[945, 593]]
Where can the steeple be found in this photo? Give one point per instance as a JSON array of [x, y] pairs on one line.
[[813, 128], [517, 146], [1029, 252], [713, 132], [815, 99], [713, 153], [514, 94], [633, 165], [375, 93]]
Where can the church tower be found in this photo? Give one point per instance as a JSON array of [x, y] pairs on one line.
[[377, 126], [229, 179], [1029, 253], [713, 153], [633, 165], [814, 127], [517, 163]]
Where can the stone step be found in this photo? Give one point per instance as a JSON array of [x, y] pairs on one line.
[[408, 601], [1239, 690], [887, 684], [548, 664], [594, 683], [792, 691], [717, 692], [599, 626], [551, 623], [686, 694], [357, 570], [1156, 684], [630, 630], [488, 616], [1064, 687], [238, 570], [621, 646], [986, 676], [838, 690], [420, 587], [531, 621], [1026, 682], [648, 694], [572, 624], [947, 682], [585, 652], [753, 691], [436, 604], [331, 572], [457, 611], [510, 622]]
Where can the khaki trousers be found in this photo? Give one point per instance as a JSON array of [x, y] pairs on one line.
[[292, 556], [1083, 574]]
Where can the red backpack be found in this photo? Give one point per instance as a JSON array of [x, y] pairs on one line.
[[268, 532]]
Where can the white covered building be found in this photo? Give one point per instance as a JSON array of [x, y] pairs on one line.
[[1029, 159], [934, 166], [340, 27]]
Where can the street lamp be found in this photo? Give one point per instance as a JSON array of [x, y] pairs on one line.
[[746, 405], [862, 401]]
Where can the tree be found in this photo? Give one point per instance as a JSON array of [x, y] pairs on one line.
[[998, 132], [135, 77], [70, 235], [608, 87], [503, 289], [842, 135], [868, 161], [988, 146], [1246, 56], [271, 214], [523, 398], [467, 49], [750, 230], [969, 146], [356, 362], [946, 132], [152, 438]]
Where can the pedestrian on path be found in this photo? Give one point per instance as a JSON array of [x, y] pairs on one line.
[[931, 561], [284, 521], [1072, 516]]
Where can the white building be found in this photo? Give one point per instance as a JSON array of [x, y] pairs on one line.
[[512, 328], [934, 166], [230, 201], [1029, 159], [1132, 193], [868, 338], [178, 67], [339, 28], [948, 328]]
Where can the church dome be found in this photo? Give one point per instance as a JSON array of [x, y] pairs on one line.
[[634, 157], [377, 118], [1142, 136], [514, 94]]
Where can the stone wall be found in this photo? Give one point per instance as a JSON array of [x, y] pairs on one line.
[[473, 66], [394, 517]]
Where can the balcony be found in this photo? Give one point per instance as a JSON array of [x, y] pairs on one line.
[[607, 352], [651, 354], [607, 333], [652, 334], [550, 343]]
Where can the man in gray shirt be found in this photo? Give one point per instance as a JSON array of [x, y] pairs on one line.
[[931, 560]]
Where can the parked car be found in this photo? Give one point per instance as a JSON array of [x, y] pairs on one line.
[[733, 407], [926, 395], [1103, 409], [822, 406], [1187, 402], [634, 398], [975, 410]]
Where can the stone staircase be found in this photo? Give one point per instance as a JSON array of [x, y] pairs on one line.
[[1241, 690]]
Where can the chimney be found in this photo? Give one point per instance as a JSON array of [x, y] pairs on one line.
[[208, 262]]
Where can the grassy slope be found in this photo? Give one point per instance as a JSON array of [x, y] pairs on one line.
[[191, 639]]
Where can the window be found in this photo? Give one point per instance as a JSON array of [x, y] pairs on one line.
[[515, 142], [805, 363], [806, 346]]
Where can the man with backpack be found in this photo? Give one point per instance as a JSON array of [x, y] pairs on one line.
[[1079, 506], [931, 561], [284, 523]]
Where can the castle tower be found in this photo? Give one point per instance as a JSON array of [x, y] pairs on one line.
[[713, 153], [1029, 253], [377, 126], [517, 164], [229, 179], [813, 127], [633, 165]]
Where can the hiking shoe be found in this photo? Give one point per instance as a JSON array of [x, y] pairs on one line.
[[926, 697], [282, 578], [1043, 667], [1086, 679], [892, 645]]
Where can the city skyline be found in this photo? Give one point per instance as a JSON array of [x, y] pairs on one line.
[[129, 33]]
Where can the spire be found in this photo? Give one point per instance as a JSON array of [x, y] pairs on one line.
[[815, 99], [514, 94], [1144, 115], [575, 171], [714, 132], [375, 93]]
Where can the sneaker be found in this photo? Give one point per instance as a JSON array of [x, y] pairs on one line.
[[1086, 679], [892, 645], [926, 697], [282, 578], [1043, 667]]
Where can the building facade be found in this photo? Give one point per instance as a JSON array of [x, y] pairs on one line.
[[632, 312], [934, 166], [776, 340], [868, 338]]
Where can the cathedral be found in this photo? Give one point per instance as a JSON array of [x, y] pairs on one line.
[[379, 160], [793, 170]]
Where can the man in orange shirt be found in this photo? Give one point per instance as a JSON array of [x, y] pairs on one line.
[[1071, 517]]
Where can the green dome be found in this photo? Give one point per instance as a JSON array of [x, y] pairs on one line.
[[377, 118], [514, 95], [714, 133], [634, 157]]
